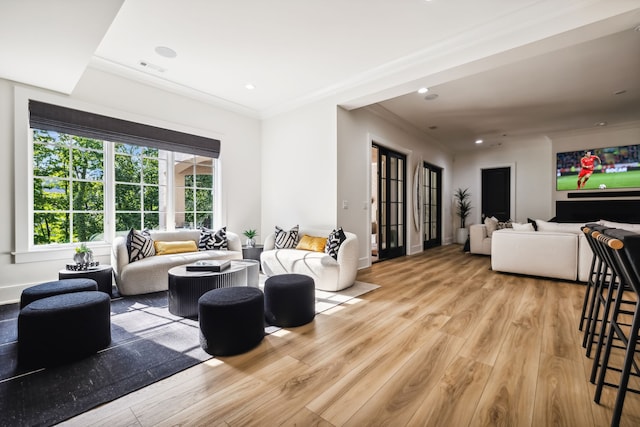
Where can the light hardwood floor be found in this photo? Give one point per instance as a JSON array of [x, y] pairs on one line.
[[445, 341]]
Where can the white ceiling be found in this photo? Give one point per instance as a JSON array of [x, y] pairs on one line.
[[499, 67]]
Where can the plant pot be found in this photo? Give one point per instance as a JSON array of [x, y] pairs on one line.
[[461, 235], [250, 243]]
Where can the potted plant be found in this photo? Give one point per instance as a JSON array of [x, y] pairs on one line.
[[83, 255], [250, 234], [463, 209]]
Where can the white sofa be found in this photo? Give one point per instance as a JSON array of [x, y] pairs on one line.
[[329, 274], [557, 250], [151, 274]]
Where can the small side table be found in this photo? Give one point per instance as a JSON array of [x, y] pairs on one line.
[[249, 252], [102, 274]]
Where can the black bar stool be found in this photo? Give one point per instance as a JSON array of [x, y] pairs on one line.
[[623, 253]]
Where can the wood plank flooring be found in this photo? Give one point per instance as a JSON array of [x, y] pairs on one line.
[[445, 341]]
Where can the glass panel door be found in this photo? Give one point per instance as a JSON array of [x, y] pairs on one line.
[[391, 188], [431, 206]]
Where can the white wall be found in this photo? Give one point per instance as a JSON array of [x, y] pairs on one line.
[[534, 176], [240, 160], [299, 169], [356, 131]]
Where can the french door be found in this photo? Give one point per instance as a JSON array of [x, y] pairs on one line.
[[431, 205], [391, 206]]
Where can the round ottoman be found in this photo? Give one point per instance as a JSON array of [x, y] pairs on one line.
[[63, 328], [231, 320], [56, 287], [289, 300]]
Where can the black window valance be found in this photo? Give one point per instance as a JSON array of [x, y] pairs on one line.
[[89, 125]]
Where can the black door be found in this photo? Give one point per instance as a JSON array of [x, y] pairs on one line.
[[496, 193], [391, 206], [431, 206]]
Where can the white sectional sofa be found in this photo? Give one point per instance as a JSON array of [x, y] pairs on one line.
[[151, 274], [557, 250], [329, 274]]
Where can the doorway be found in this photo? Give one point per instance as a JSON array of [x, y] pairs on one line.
[[431, 206], [496, 193], [388, 207]]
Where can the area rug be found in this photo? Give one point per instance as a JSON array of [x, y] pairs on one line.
[[147, 344]]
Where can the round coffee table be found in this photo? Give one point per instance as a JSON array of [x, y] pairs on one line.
[[102, 274], [186, 287]]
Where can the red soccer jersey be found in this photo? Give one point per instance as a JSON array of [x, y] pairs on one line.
[[587, 162]]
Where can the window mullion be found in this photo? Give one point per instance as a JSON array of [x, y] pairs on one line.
[[109, 192], [170, 214]]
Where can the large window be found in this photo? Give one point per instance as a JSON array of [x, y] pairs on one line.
[[85, 177], [68, 188]]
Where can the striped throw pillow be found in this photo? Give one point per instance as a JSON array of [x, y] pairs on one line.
[[334, 241], [286, 239], [139, 245]]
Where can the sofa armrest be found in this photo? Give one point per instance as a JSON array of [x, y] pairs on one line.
[[233, 242], [269, 242], [119, 255], [477, 235], [348, 259]]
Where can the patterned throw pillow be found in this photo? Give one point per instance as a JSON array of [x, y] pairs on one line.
[[505, 224], [212, 240], [139, 245], [334, 241], [286, 239]]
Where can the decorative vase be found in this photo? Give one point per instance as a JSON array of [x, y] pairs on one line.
[[250, 243], [78, 257]]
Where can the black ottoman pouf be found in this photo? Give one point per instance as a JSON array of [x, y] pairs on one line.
[[289, 300], [56, 287], [63, 328], [231, 320]]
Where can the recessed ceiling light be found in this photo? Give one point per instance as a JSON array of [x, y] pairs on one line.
[[479, 141], [423, 90], [601, 124], [620, 92], [431, 96], [167, 52], [250, 86]]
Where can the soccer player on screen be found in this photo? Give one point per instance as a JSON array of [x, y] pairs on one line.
[[587, 165]]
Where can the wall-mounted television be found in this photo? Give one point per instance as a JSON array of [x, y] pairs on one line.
[[598, 168]]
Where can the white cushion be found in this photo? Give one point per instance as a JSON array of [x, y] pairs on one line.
[[523, 227], [545, 254], [324, 270], [560, 227]]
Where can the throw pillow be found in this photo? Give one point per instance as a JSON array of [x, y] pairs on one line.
[[505, 224], [311, 243], [174, 247], [334, 241], [523, 227], [491, 224], [212, 240], [533, 223], [286, 239], [139, 245]]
